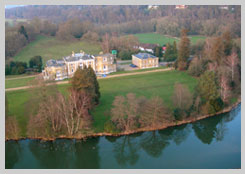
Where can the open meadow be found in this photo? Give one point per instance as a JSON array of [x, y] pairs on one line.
[[155, 38], [52, 48], [21, 104]]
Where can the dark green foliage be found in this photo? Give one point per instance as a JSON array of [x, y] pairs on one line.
[[158, 51], [171, 53], [36, 62], [96, 84], [217, 104], [22, 30], [14, 68], [110, 127], [208, 90], [177, 114], [207, 86], [85, 80], [126, 54]]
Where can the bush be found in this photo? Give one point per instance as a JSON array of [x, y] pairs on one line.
[[177, 114], [217, 104], [14, 68], [110, 127]]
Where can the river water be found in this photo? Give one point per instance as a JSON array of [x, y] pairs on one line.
[[213, 143]]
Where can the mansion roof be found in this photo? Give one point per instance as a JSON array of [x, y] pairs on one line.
[[55, 63], [77, 57], [144, 56]]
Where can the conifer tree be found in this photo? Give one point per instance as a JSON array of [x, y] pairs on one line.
[[84, 80], [95, 83], [183, 51]]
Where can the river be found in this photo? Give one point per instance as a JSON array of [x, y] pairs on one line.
[[213, 143]]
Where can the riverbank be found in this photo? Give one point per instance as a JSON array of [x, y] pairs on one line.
[[172, 124]]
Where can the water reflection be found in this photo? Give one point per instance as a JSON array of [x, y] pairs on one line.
[[64, 153], [127, 151], [153, 143], [213, 128], [12, 153]]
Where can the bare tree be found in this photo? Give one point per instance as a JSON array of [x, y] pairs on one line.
[[224, 88], [118, 112], [74, 111], [154, 113], [231, 62], [106, 43], [125, 112], [182, 97], [38, 127], [48, 110]]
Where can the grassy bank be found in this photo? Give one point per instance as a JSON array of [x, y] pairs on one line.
[[155, 38], [148, 85], [52, 48]]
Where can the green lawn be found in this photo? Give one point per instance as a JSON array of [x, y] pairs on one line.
[[194, 39], [148, 85], [52, 48], [155, 38], [13, 83]]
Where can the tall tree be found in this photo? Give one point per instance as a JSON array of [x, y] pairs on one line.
[[154, 113], [36, 62], [182, 97], [217, 51], [183, 51], [96, 84], [86, 81], [232, 62], [125, 111], [227, 41], [22, 30], [207, 86], [171, 52]]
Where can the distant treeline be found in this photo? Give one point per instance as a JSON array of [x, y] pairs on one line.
[[94, 22], [207, 20]]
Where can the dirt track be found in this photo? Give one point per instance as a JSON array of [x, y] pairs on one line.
[[107, 77]]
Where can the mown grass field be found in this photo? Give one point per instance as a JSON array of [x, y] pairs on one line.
[[21, 80], [148, 85], [155, 38], [52, 48], [13, 83]]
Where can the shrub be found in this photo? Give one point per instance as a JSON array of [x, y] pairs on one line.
[[177, 114], [217, 104], [110, 127]]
